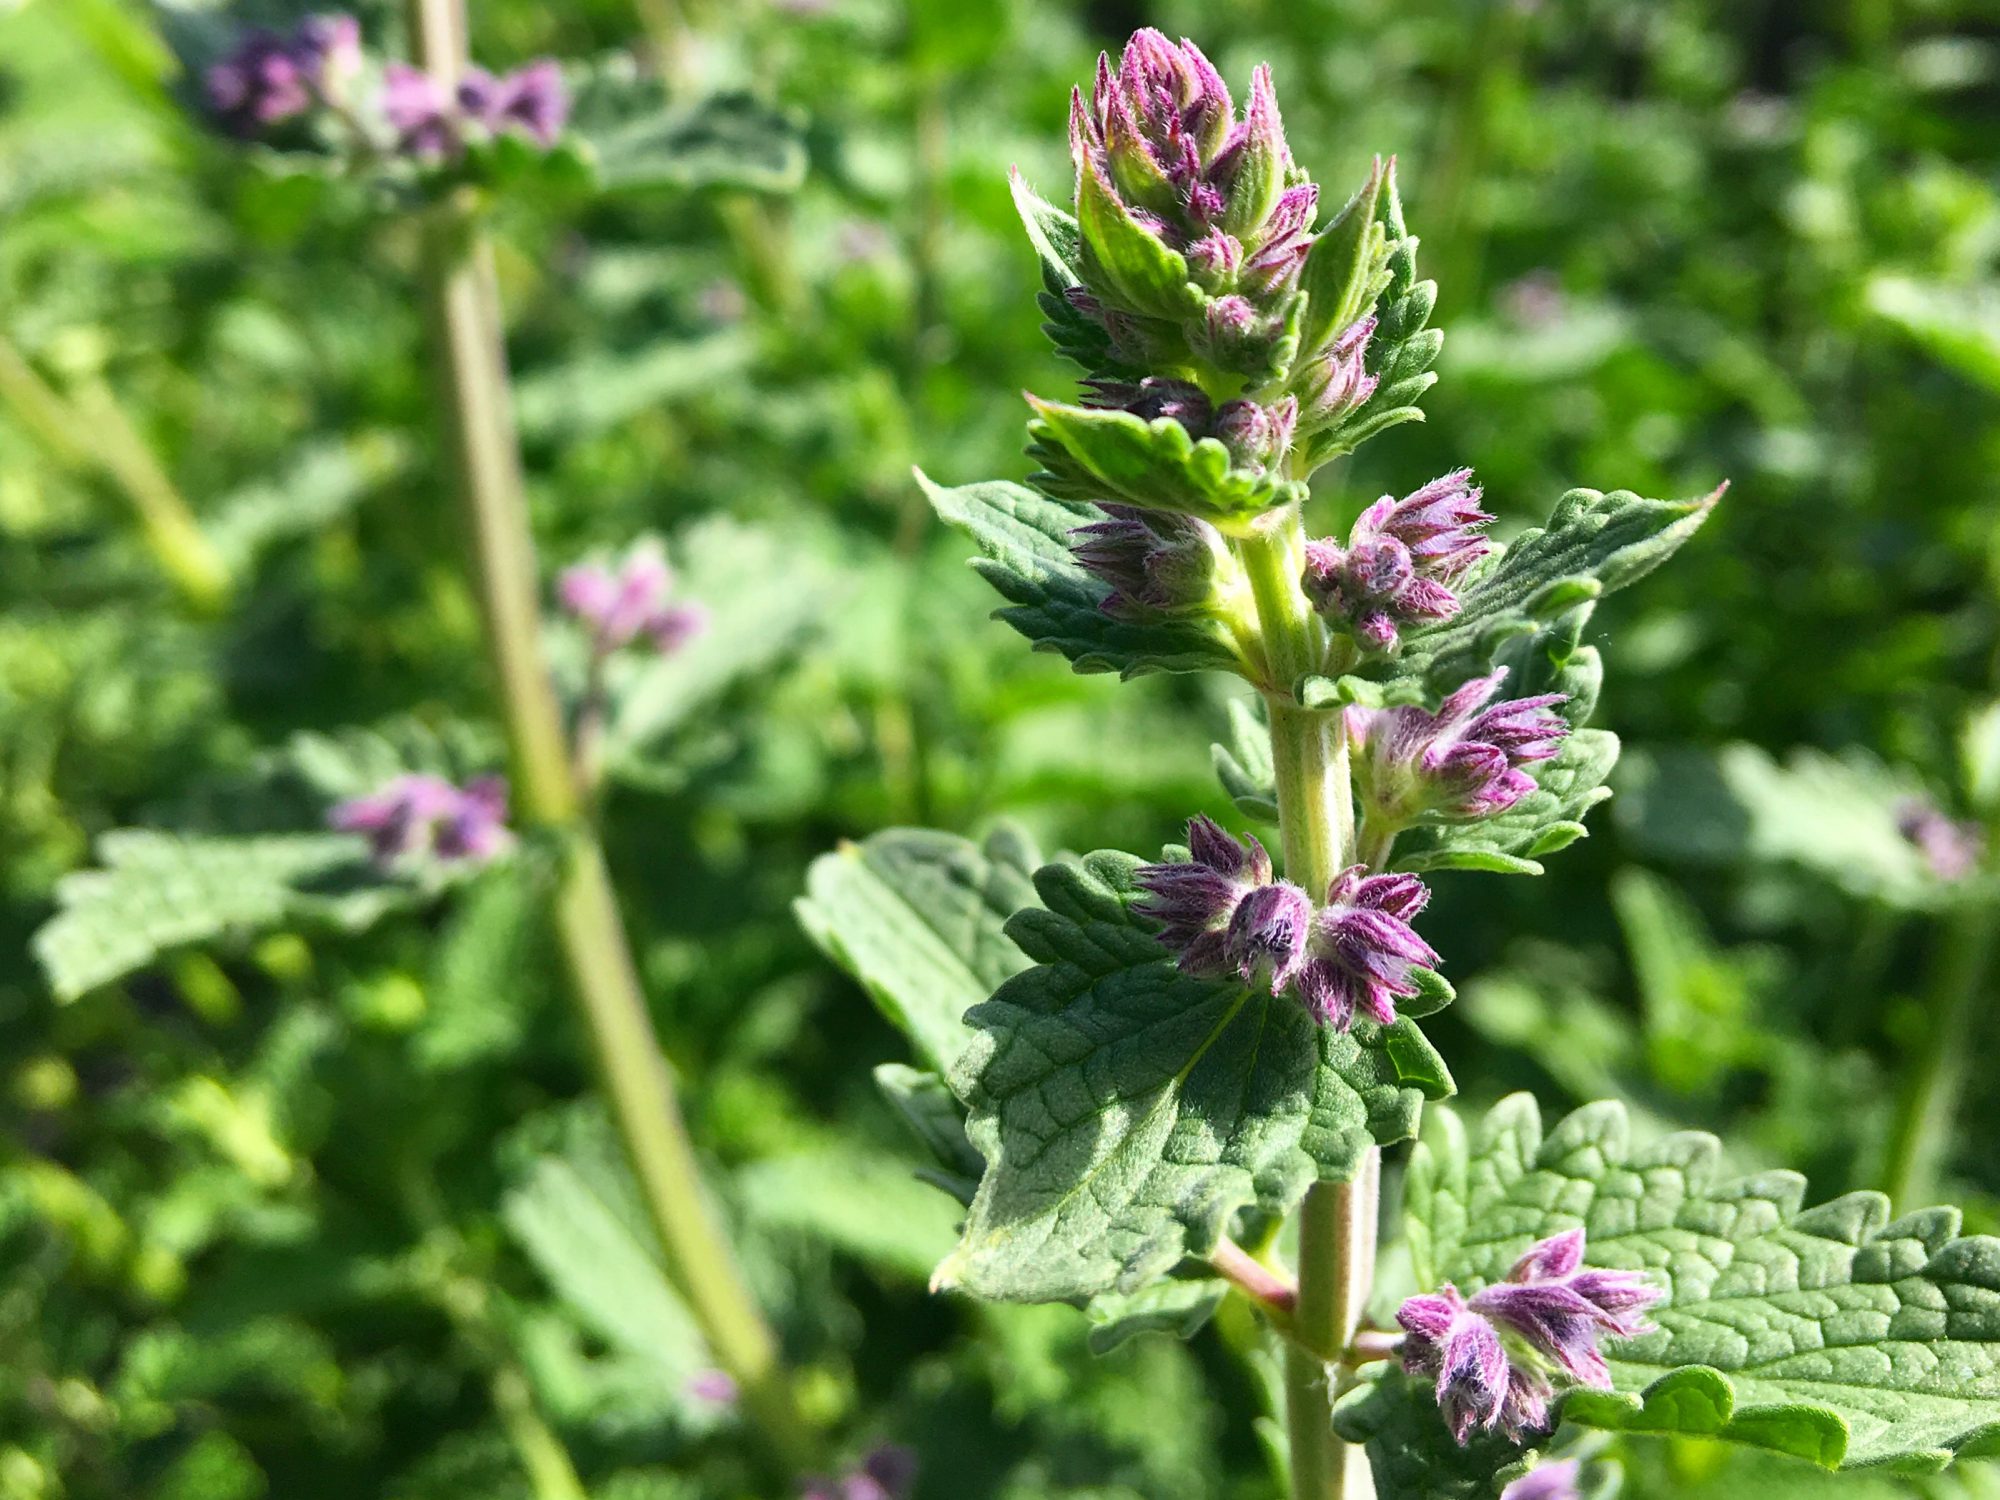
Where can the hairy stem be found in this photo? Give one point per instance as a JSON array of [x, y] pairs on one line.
[[1257, 1281], [1935, 1083], [484, 452], [1337, 1221]]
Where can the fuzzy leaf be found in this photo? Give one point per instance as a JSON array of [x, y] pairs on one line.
[[918, 918], [1402, 350], [1833, 1334], [1102, 455], [160, 892], [1549, 818], [1058, 245], [1411, 1451], [640, 141], [1243, 766], [1832, 815], [937, 1120], [1594, 543], [1051, 600], [1127, 1111], [1178, 1305]]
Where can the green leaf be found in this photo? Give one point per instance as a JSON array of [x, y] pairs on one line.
[[1119, 254], [1960, 325], [1567, 786], [1411, 1451], [639, 140], [1593, 544], [1833, 1334], [1179, 1305], [1127, 1111], [322, 482], [491, 970], [159, 892], [578, 1221], [1102, 455], [865, 1204], [1052, 601], [918, 919], [597, 392], [1401, 351], [1244, 767], [926, 1104], [764, 593], [1059, 246], [1831, 815], [1346, 269]]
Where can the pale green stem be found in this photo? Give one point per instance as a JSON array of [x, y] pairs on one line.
[[484, 453], [92, 430], [1337, 1221], [1935, 1084]]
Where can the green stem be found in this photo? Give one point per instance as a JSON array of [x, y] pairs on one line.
[[1337, 1221], [1932, 1091], [484, 452]]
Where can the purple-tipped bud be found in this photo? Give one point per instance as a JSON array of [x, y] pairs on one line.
[[619, 604], [1951, 849], [1195, 899], [270, 77], [1257, 437], [419, 111], [1462, 1352], [419, 814], [1560, 1306], [1363, 949], [1152, 398], [1399, 560], [1464, 761], [1234, 335], [1266, 939], [1337, 382], [1551, 1481], [531, 98], [887, 1473], [1155, 561]]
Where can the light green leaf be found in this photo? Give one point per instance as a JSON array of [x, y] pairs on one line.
[[579, 1222], [1833, 1333], [1567, 786], [1346, 270], [1121, 256], [764, 593], [937, 1120], [1058, 245], [867, 1205], [1243, 766], [1102, 455], [640, 140], [490, 971], [1593, 544], [320, 485], [159, 892], [1411, 1451], [596, 392], [1127, 1111], [1958, 324], [1831, 815], [1180, 1305], [918, 919], [1401, 351], [1052, 601]]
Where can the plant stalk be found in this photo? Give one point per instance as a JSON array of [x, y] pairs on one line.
[[1928, 1110], [484, 451], [1337, 1220]]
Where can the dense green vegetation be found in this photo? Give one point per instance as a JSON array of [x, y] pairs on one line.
[[305, 1185]]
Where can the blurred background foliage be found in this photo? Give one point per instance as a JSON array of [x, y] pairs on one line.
[[308, 1210]]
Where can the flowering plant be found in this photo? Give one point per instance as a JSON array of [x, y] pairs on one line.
[[1176, 1076]]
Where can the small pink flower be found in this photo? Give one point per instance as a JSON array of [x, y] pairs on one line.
[[420, 814], [618, 604]]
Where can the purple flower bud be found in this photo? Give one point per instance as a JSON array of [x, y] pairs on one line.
[[531, 97], [269, 77], [1337, 382], [1462, 1352], [1266, 939], [1550, 1481], [1152, 398], [712, 1388], [1464, 761], [1951, 849], [619, 604], [1234, 335], [1257, 437], [1156, 562], [1195, 899], [1560, 1307], [887, 1473], [418, 110], [418, 814], [1362, 948], [1399, 560]]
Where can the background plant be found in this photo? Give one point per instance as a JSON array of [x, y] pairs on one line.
[[1672, 246]]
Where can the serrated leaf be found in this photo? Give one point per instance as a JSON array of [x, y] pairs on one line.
[[1178, 1305], [926, 1104], [1127, 1111], [1058, 245], [1401, 351], [159, 892], [865, 1204], [1593, 544], [918, 918], [490, 970], [1832, 815], [1567, 786], [638, 139], [1832, 1333], [1411, 1452], [1103, 455], [1244, 767], [596, 392], [1346, 269], [1051, 600]]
